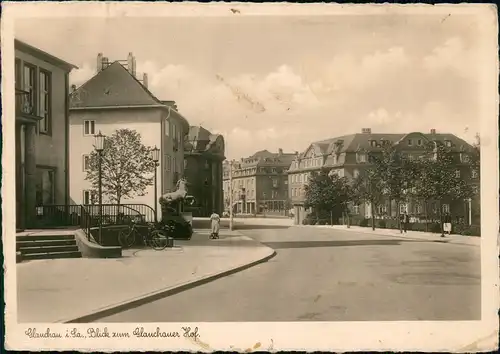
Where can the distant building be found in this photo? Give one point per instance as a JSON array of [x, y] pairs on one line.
[[42, 139], [259, 183], [115, 98], [348, 155], [203, 156]]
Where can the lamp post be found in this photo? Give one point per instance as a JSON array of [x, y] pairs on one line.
[[99, 147], [231, 195], [155, 156]]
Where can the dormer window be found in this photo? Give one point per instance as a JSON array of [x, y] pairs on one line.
[[373, 143], [457, 173], [474, 174], [447, 143], [465, 158], [410, 142], [419, 142]]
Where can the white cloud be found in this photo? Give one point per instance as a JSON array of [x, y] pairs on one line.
[[453, 55]]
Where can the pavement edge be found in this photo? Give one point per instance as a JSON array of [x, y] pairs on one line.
[[142, 300]]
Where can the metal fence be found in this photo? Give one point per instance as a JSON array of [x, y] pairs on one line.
[[87, 217]]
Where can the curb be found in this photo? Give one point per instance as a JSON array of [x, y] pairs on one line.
[[437, 240], [142, 300]]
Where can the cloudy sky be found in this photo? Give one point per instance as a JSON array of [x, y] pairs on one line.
[[282, 82]]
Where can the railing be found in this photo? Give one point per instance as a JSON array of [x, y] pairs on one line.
[[88, 217], [24, 104]]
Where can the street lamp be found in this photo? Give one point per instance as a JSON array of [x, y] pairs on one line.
[[99, 147], [155, 156]]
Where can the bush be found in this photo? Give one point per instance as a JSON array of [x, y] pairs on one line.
[[382, 224], [305, 221], [435, 228], [363, 223], [323, 222]]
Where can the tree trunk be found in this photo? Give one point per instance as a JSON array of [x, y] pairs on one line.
[[426, 214], [398, 215], [331, 217], [441, 217], [372, 207]]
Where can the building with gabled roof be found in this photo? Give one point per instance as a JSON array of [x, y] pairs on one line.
[[259, 183], [348, 155], [203, 156], [115, 98]]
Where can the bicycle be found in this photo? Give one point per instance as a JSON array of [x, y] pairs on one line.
[[155, 237]]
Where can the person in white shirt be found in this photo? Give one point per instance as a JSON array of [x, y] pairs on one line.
[[215, 223]]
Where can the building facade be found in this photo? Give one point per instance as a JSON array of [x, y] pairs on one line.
[[42, 138], [347, 156], [114, 99], [203, 156], [259, 183]]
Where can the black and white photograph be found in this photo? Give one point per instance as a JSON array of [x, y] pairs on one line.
[[250, 177]]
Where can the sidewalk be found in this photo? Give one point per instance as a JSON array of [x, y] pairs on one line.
[[412, 235], [67, 289]]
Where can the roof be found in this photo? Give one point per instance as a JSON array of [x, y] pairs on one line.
[[113, 86], [354, 142], [267, 158], [49, 58], [116, 87], [200, 139]]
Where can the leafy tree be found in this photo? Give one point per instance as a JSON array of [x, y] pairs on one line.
[[327, 192], [127, 166], [438, 179], [395, 173], [368, 188]]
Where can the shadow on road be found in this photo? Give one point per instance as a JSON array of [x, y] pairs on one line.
[[347, 243]]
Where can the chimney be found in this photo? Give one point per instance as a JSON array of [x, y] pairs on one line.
[[99, 63], [73, 88], [133, 67], [105, 63], [366, 131], [280, 152], [130, 64], [433, 131], [145, 80]]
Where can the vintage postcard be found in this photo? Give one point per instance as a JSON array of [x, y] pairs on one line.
[[250, 177]]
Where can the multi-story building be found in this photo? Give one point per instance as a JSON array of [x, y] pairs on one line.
[[259, 183], [348, 156], [42, 139], [115, 98], [203, 156]]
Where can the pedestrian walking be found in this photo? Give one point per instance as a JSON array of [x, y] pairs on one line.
[[405, 220], [215, 225], [446, 224]]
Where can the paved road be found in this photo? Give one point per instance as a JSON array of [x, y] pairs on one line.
[[333, 275]]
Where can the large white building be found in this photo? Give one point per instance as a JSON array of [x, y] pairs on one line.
[[114, 99]]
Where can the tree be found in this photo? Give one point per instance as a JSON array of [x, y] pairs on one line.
[[127, 166], [396, 175], [368, 187], [439, 177], [327, 193]]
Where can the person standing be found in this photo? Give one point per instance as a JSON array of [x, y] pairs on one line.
[[215, 225], [446, 224], [406, 221]]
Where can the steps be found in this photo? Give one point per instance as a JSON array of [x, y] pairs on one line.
[[46, 247]]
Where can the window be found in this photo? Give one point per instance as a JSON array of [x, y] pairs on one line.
[[274, 170], [45, 186], [168, 163], [174, 164], [457, 173], [89, 127], [419, 142], [403, 208], [361, 157], [355, 173], [275, 183], [475, 189], [418, 209], [355, 209], [86, 162], [207, 165], [174, 132], [286, 182], [185, 163], [44, 102], [447, 143], [410, 142], [465, 158], [89, 197], [446, 208], [30, 86], [474, 174], [382, 209]]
